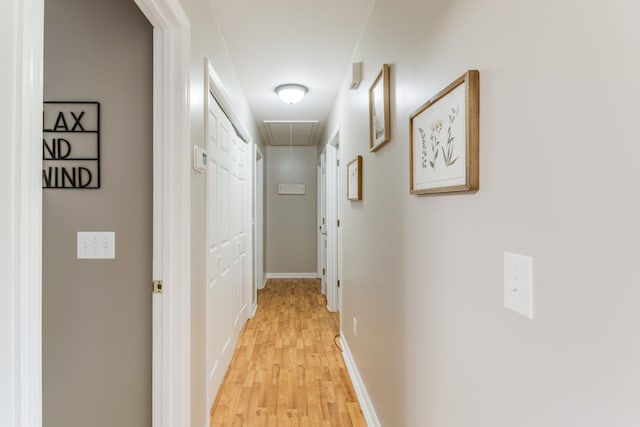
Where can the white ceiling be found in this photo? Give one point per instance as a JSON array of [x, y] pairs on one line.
[[272, 42]]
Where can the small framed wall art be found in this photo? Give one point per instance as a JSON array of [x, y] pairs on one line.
[[444, 134], [379, 110], [354, 179]]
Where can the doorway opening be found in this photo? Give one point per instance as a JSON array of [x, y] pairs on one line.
[[330, 189], [97, 241], [171, 177], [259, 223]]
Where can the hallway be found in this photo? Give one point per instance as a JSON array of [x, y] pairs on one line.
[[427, 334], [287, 369]]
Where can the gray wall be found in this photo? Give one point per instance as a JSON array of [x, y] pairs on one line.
[[291, 232], [558, 181], [97, 313]]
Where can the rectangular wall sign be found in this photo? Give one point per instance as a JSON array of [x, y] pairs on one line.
[[291, 189], [71, 145]]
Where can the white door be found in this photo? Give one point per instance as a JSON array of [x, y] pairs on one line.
[[227, 261], [323, 222], [259, 221], [332, 178], [338, 199]]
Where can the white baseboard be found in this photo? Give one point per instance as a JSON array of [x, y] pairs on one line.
[[292, 275], [254, 308], [369, 411]]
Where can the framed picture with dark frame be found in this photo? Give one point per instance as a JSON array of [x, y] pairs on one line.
[[354, 179], [444, 139], [379, 127]]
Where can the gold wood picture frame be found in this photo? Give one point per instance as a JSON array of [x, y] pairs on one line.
[[379, 127], [354, 179], [444, 139]]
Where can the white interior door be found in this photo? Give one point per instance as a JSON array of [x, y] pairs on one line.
[[338, 199], [259, 221], [227, 262], [331, 228]]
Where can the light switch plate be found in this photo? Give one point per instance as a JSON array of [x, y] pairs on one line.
[[96, 245], [518, 283]]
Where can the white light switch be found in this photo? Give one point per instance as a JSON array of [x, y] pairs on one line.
[[96, 245], [518, 284]]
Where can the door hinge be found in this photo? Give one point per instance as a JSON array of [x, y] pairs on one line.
[[323, 272], [157, 286], [338, 283], [338, 162], [338, 223]]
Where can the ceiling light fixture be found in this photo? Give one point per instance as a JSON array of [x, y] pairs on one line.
[[291, 93]]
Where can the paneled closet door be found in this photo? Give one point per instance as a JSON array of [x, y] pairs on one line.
[[228, 194]]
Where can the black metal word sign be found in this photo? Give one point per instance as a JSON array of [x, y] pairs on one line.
[[71, 145]]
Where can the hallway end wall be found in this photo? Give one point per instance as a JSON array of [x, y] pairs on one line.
[[423, 275], [291, 233]]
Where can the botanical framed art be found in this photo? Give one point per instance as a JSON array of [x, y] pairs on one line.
[[379, 110], [354, 179], [444, 134]]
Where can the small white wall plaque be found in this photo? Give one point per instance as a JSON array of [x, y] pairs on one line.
[[291, 189]]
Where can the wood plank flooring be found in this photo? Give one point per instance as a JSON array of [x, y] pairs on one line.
[[287, 369]]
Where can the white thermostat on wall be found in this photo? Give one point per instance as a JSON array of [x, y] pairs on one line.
[[199, 159]]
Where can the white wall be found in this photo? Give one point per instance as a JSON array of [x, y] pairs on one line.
[[20, 216], [206, 42], [558, 181], [291, 219]]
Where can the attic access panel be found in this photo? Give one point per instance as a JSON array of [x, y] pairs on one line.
[[291, 133]]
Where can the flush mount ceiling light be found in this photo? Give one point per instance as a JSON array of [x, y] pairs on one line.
[[291, 93]]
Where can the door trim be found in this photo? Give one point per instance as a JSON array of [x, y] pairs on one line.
[[22, 252], [258, 225], [332, 220], [171, 366], [322, 222], [216, 87], [319, 218]]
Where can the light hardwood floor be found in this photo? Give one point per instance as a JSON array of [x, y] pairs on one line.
[[287, 369]]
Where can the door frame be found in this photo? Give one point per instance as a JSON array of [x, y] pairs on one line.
[[171, 365], [171, 375], [258, 223], [21, 214], [319, 221], [322, 220], [332, 200]]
